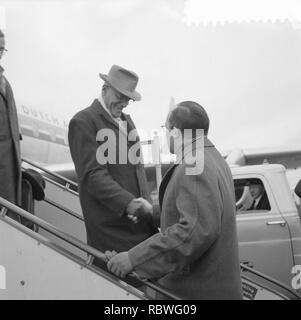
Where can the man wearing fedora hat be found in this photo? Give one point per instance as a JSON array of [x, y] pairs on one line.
[[114, 196]]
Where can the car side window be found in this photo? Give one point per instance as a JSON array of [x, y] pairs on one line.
[[250, 196]]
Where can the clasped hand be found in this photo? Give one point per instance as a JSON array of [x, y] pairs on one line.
[[138, 209]]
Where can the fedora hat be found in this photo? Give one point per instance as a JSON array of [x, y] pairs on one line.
[[122, 80], [37, 182]]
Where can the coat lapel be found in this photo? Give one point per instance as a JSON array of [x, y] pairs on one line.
[[104, 114], [140, 171], [130, 123], [2, 89], [169, 172], [2, 84], [99, 109], [165, 182], [2, 94], [13, 118]]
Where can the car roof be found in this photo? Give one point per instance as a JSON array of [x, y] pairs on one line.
[[255, 169]]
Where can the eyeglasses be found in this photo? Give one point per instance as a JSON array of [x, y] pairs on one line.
[[3, 51], [167, 128], [121, 97]]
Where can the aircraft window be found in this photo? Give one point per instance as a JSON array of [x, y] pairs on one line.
[[250, 196]]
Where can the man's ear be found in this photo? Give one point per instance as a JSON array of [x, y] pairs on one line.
[[175, 132], [104, 89]]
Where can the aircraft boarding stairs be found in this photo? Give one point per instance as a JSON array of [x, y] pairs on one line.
[[53, 261]]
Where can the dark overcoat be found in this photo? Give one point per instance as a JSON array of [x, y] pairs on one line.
[[196, 253], [10, 159], [106, 189]]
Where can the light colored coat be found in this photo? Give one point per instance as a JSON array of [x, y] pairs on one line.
[[196, 254], [10, 159]]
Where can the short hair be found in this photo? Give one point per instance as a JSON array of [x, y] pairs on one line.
[[1, 34], [254, 181], [189, 115]]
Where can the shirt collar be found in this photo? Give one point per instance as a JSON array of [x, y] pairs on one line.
[[258, 199], [190, 146], [100, 99]]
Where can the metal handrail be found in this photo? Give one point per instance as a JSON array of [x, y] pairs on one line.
[[146, 142], [75, 242], [270, 279], [56, 175], [66, 187], [265, 287], [71, 213], [97, 254], [52, 229]]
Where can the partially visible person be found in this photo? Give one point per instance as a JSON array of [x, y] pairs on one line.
[[195, 255], [298, 189], [10, 159], [258, 193], [114, 196]]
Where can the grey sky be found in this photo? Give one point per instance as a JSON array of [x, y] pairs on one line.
[[247, 75]]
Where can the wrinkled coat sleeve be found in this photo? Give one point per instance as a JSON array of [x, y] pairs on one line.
[[198, 226], [99, 182]]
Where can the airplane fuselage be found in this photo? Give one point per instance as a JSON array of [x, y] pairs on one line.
[[44, 136]]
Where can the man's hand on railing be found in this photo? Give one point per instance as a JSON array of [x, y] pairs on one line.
[[109, 255], [119, 264]]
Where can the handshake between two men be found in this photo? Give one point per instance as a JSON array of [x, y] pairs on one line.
[[139, 209], [119, 263]]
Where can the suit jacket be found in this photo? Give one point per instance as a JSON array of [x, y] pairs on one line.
[[196, 253], [105, 190], [263, 203], [10, 159]]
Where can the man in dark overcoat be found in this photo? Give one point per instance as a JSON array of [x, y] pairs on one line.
[[10, 159], [112, 186]]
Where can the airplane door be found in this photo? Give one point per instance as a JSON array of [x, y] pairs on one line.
[[263, 235]]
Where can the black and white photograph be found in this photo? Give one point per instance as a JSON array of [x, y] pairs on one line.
[[150, 150]]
